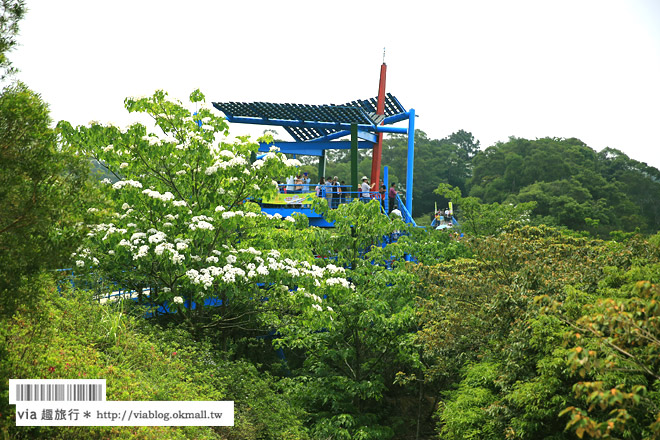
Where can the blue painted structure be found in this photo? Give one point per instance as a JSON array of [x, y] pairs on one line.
[[316, 128]]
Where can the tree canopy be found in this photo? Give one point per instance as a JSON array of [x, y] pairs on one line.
[[572, 185]]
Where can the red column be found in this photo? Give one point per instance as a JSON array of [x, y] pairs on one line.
[[378, 147]]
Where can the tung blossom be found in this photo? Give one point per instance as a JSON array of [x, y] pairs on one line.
[[156, 195], [141, 252], [157, 237], [340, 281], [202, 225], [262, 270], [122, 183]]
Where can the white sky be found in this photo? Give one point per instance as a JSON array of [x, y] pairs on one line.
[[564, 68]]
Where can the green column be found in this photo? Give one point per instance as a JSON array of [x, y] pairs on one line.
[[354, 158], [322, 165]]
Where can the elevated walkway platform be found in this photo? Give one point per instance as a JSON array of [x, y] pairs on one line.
[[317, 128], [287, 203]]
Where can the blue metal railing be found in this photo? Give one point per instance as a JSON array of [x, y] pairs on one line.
[[407, 217], [346, 196]]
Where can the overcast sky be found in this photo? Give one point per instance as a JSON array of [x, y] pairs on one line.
[[564, 68]]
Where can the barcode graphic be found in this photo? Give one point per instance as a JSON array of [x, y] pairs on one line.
[[81, 392], [59, 392]]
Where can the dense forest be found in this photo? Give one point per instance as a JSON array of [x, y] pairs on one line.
[[540, 321], [572, 185]]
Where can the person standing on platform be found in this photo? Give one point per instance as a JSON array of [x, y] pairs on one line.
[[328, 190], [392, 197], [336, 192], [306, 181], [320, 188], [365, 196], [298, 181]]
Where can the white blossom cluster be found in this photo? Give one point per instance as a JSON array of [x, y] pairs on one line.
[[108, 228], [206, 276], [341, 281], [122, 183], [82, 253], [313, 296], [231, 163], [153, 140], [156, 236], [201, 222], [173, 251], [273, 263], [156, 195], [142, 252]]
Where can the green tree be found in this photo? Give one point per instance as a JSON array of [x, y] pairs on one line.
[[483, 219], [614, 348], [43, 193], [350, 377], [496, 356], [11, 12], [183, 223], [446, 160], [570, 182]]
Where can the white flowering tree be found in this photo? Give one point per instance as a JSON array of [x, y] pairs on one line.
[[180, 219]]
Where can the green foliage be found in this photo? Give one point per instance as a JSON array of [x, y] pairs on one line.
[[570, 182], [43, 194], [11, 12], [482, 312], [469, 411], [429, 246], [72, 336], [618, 335], [346, 378], [446, 160], [182, 221], [477, 218]]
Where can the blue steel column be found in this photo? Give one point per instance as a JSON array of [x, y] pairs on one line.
[[411, 160]]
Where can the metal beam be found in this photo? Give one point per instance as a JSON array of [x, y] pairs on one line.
[[317, 125], [302, 124], [367, 136], [312, 148], [396, 118], [383, 129], [331, 136]]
